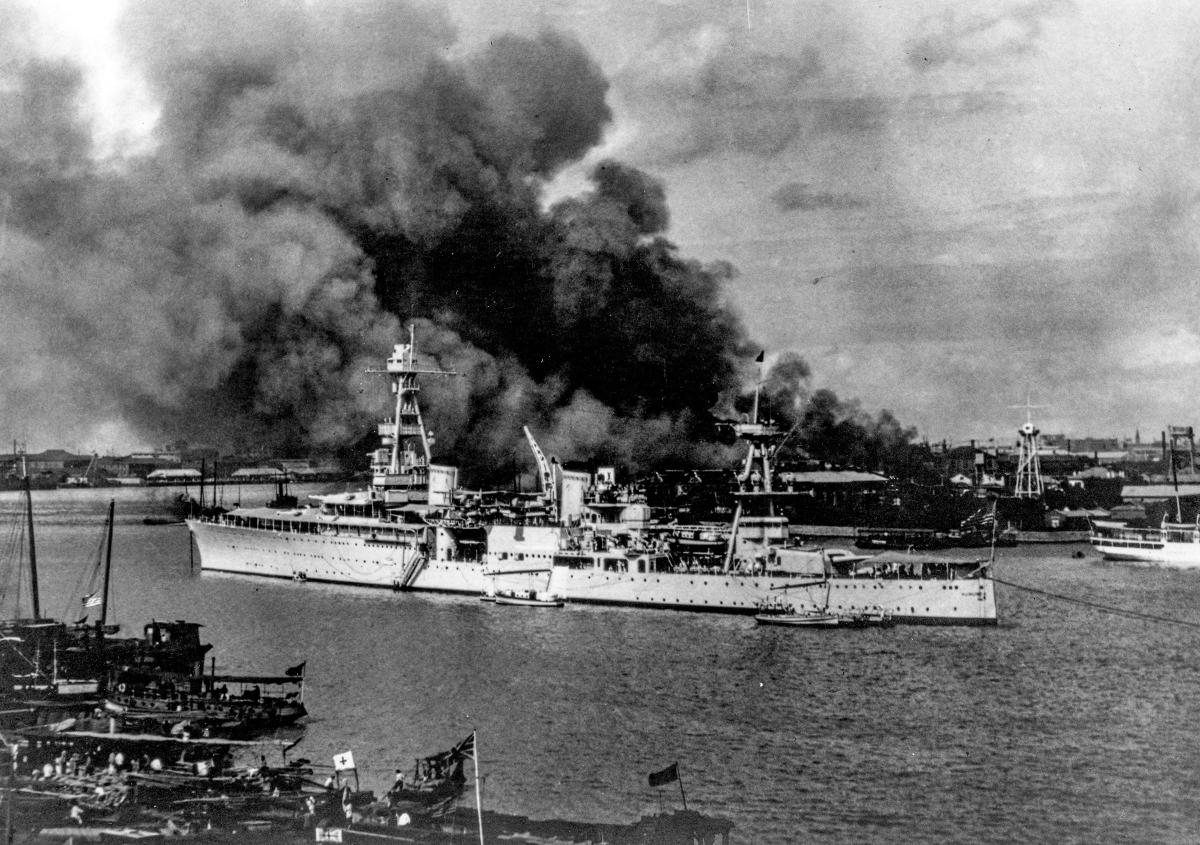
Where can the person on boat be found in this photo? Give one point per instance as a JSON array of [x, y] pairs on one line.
[[76, 813]]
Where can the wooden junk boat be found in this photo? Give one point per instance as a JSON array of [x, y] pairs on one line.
[[254, 702]]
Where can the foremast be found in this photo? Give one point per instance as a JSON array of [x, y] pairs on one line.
[[400, 467], [755, 525]]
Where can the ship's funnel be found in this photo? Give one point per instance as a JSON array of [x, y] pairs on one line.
[[443, 481]]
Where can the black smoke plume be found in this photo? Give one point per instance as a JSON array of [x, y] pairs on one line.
[[831, 431], [318, 178]]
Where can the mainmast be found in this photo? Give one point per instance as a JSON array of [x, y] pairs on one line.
[[400, 468], [755, 485]]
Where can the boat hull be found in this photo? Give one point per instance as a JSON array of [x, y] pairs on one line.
[[334, 558], [798, 620], [1182, 556], [918, 601], [344, 559], [520, 602]]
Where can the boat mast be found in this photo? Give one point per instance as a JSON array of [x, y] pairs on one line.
[[1175, 483], [33, 574], [755, 478], [13, 750], [478, 799], [112, 504]]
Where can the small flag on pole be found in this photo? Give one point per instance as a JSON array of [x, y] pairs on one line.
[[668, 775], [296, 671], [759, 359], [93, 600], [343, 762], [464, 748]]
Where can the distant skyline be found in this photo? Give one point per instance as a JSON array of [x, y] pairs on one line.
[[944, 208], [980, 440]]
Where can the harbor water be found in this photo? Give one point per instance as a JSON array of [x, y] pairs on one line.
[[1064, 723]]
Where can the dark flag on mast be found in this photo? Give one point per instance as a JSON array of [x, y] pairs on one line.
[[668, 775], [466, 748], [759, 359]]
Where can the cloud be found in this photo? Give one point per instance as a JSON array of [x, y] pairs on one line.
[[799, 196], [726, 99], [1171, 348], [958, 37]]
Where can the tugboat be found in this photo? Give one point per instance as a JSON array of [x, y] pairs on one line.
[[237, 699]]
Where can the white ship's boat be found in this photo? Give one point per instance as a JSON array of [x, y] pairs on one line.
[[778, 610], [528, 598], [799, 619], [412, 530], [1172, 544]]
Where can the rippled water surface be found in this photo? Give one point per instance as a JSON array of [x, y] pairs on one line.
[[1062, 724]]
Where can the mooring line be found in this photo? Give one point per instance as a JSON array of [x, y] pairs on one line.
[[1108, 608]]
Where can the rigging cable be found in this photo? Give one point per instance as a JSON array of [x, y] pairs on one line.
[[85, 584], [1107, 608]]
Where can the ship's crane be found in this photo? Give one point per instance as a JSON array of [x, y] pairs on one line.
[[546, 472]]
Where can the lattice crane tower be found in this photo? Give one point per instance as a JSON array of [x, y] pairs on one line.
[[1029, 470]]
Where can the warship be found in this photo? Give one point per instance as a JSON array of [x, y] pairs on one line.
[[413, 529]]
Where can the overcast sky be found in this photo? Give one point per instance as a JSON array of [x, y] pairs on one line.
[[945, 207]]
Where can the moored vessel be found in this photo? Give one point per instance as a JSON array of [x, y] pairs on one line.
[[528, 598], [410, 529], [757, 562], [1174, 544]]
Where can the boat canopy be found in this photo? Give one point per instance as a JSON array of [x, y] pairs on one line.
[[927, 559], [801, 562]]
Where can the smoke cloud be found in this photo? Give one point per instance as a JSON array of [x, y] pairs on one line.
[[318, 179], [826, 428]]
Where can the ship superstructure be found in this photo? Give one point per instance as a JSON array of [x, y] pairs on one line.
[[756, 565], [409, 529]]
